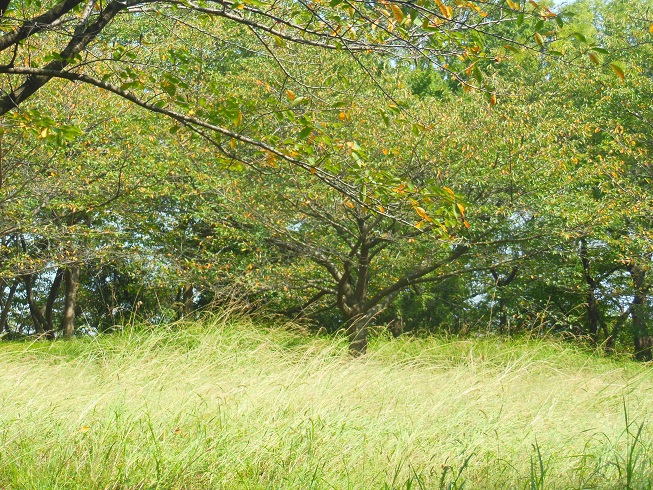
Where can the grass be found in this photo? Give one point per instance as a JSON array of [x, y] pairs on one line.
[[226, 403]]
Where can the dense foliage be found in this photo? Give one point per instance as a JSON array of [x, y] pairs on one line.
[[429, 166]]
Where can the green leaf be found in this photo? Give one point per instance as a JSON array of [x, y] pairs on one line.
[[600, 50], [579, 37], [297, 101], [303, 134]]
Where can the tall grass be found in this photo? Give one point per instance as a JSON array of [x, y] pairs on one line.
[[226, 403]]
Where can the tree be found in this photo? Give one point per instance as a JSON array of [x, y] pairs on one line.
[[115, 46]]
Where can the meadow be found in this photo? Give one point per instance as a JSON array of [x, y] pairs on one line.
[[237, 403]]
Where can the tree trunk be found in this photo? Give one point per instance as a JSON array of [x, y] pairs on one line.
[[500, 284], [639, 313], [187, 300], [592, 304], [71, 282], [52, 297], [4, 327], [358, 324], [357, 332], [184, 301], [40, 324]]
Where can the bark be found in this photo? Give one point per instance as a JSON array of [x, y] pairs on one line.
[[397, 327], [185, 298], [358, 331], [592, 305], [52, 297], [358, 324], [40, 324], [3, 6], [4, 327], [642, 338], [502, 282], [71, 282]]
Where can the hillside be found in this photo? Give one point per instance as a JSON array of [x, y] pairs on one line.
[[231, 404]]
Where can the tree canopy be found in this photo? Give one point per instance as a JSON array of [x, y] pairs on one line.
[[425, 165]]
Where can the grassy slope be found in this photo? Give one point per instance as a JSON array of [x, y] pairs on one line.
[[226, 404]]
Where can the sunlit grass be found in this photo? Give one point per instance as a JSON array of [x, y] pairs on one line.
[[228, 403]]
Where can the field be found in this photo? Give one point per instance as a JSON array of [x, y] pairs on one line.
[[233, 403]]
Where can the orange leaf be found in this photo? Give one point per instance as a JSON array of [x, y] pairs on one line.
[[396, 11], [447, 11]]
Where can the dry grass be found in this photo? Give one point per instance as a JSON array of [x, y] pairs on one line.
[[228, 404]]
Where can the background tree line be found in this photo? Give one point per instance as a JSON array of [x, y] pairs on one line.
[[335, 161]]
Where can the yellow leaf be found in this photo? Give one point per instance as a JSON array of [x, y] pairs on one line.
[[44, 133], [650, 29], [396, 11], [538, 38], [447, 12], [461, 208], [232, 143], [593, 57], [422, 214], [83, 429], [349, 204]]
